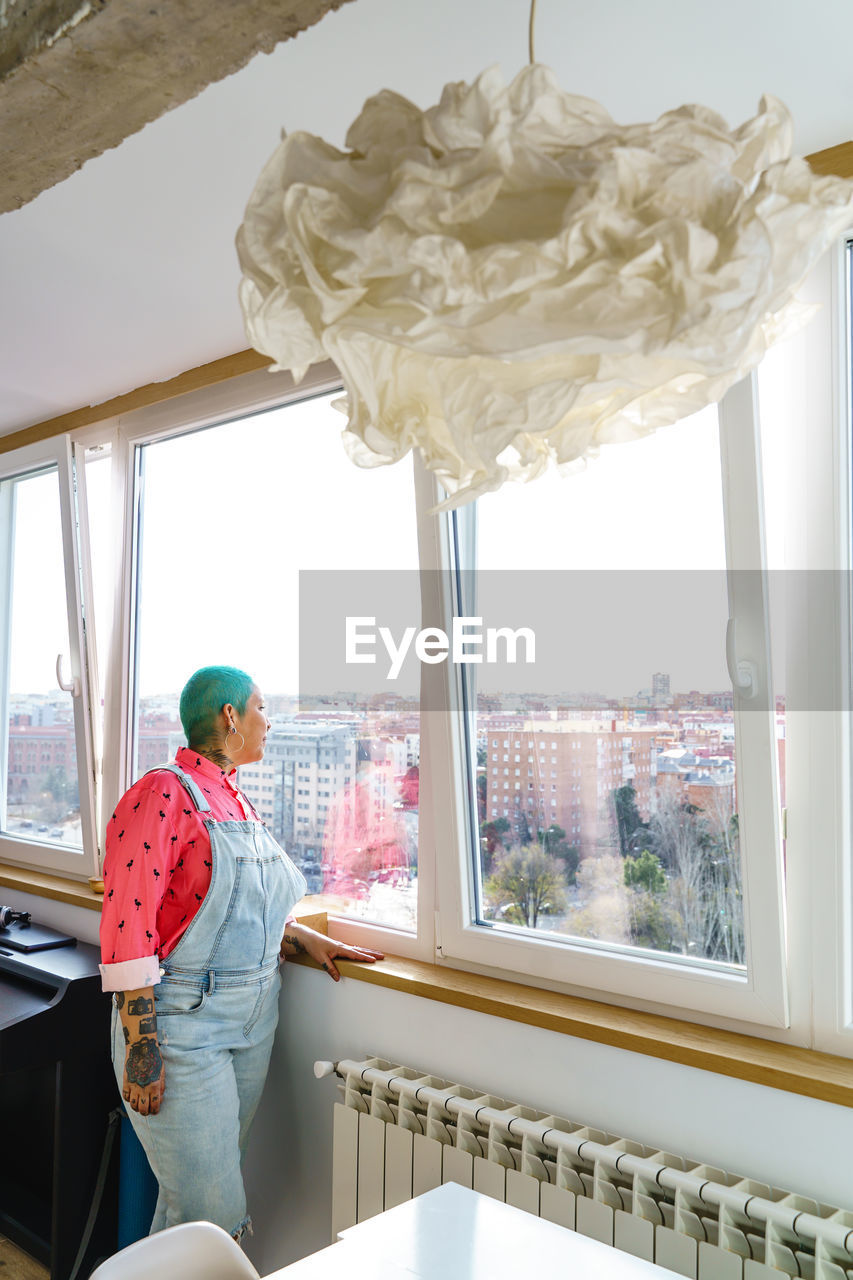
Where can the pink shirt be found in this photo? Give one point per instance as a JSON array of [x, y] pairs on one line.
[[157, 867]]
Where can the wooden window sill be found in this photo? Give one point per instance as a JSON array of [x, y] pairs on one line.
[[46, 884], [777, 1066]]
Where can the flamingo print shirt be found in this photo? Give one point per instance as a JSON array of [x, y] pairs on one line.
[[157, 867]]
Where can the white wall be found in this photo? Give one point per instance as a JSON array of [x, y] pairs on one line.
[[791, 1142]]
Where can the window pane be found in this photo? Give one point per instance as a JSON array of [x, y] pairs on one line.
[[607, 802], [42, 799], [230, 515]]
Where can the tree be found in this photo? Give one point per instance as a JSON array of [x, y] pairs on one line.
[[645, 872], [604, 902], [58, 794], [526, 883], [700, 852], [628, 820], [553, 841], [650, 916], [570, 857], [550, 837], [651, 921], [491, 839], [521, 834]]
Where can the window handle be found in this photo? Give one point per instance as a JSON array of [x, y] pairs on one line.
[[72, 686], [743, 674]]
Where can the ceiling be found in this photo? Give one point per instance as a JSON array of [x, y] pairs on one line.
[[125, 273]]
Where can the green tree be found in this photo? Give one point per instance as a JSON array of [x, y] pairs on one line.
[[651, 921], [645, 872], [628, 820], [491, 839], [550, 837], [553, 841], [526, 883], [570, 857]]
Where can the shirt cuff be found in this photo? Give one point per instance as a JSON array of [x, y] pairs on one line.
[[130, 975]]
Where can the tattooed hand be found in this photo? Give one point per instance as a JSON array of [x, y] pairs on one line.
[[143, 1063], [324, 950], [144, 1081]]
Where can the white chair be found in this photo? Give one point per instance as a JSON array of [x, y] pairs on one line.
[[191, 1251]]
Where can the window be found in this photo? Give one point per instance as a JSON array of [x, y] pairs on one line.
[[369, 827], [631, 777], [657, 872], [47, 799]]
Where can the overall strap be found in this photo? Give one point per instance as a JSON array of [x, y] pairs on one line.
[[192, 787]]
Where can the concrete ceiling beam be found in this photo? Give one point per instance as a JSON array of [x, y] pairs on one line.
[[79, 76]]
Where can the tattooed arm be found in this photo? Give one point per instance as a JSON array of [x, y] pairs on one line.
[[144, 1072]]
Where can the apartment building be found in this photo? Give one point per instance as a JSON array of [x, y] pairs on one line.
[[565, 772]]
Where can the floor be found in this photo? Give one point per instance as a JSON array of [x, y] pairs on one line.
[[15, 1265]]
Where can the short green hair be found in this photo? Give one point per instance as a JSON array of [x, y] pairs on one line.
[[206, 693]]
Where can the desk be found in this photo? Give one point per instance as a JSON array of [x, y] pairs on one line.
[[56, 1092], [453, 1233]]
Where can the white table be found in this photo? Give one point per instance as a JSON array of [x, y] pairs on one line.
[[453, 1233]]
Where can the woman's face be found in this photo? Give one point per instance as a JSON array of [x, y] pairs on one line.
[[254, 726]]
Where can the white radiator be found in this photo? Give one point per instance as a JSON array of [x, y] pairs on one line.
[[399, 1133]]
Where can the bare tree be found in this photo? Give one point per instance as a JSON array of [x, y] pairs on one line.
[[699, 851]]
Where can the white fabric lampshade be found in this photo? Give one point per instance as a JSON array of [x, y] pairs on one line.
[[511, 277]]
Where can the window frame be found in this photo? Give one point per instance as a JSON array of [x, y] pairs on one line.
[[61, 453], [819, 745]]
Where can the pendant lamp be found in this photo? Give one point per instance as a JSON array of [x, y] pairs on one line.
[[510, 278]]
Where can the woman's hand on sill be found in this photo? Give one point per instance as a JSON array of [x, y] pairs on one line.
[[324, 950]]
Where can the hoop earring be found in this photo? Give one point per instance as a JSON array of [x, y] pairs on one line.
[[239, 735]]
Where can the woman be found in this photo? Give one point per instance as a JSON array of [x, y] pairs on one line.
[[195, 922]]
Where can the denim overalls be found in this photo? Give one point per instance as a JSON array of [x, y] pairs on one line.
[[217, 1010]]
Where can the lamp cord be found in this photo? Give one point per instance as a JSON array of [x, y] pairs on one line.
[[531, 32]]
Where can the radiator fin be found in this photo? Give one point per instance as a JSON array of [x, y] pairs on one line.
[[426, 1168], [522, 1191], [717, 1264], [489, 1179], [344, 1170], [676, 1252], [371, 1166], [557, 1205], [398, 1165], [457, 1166], [633, 1234], [594, 1220]]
